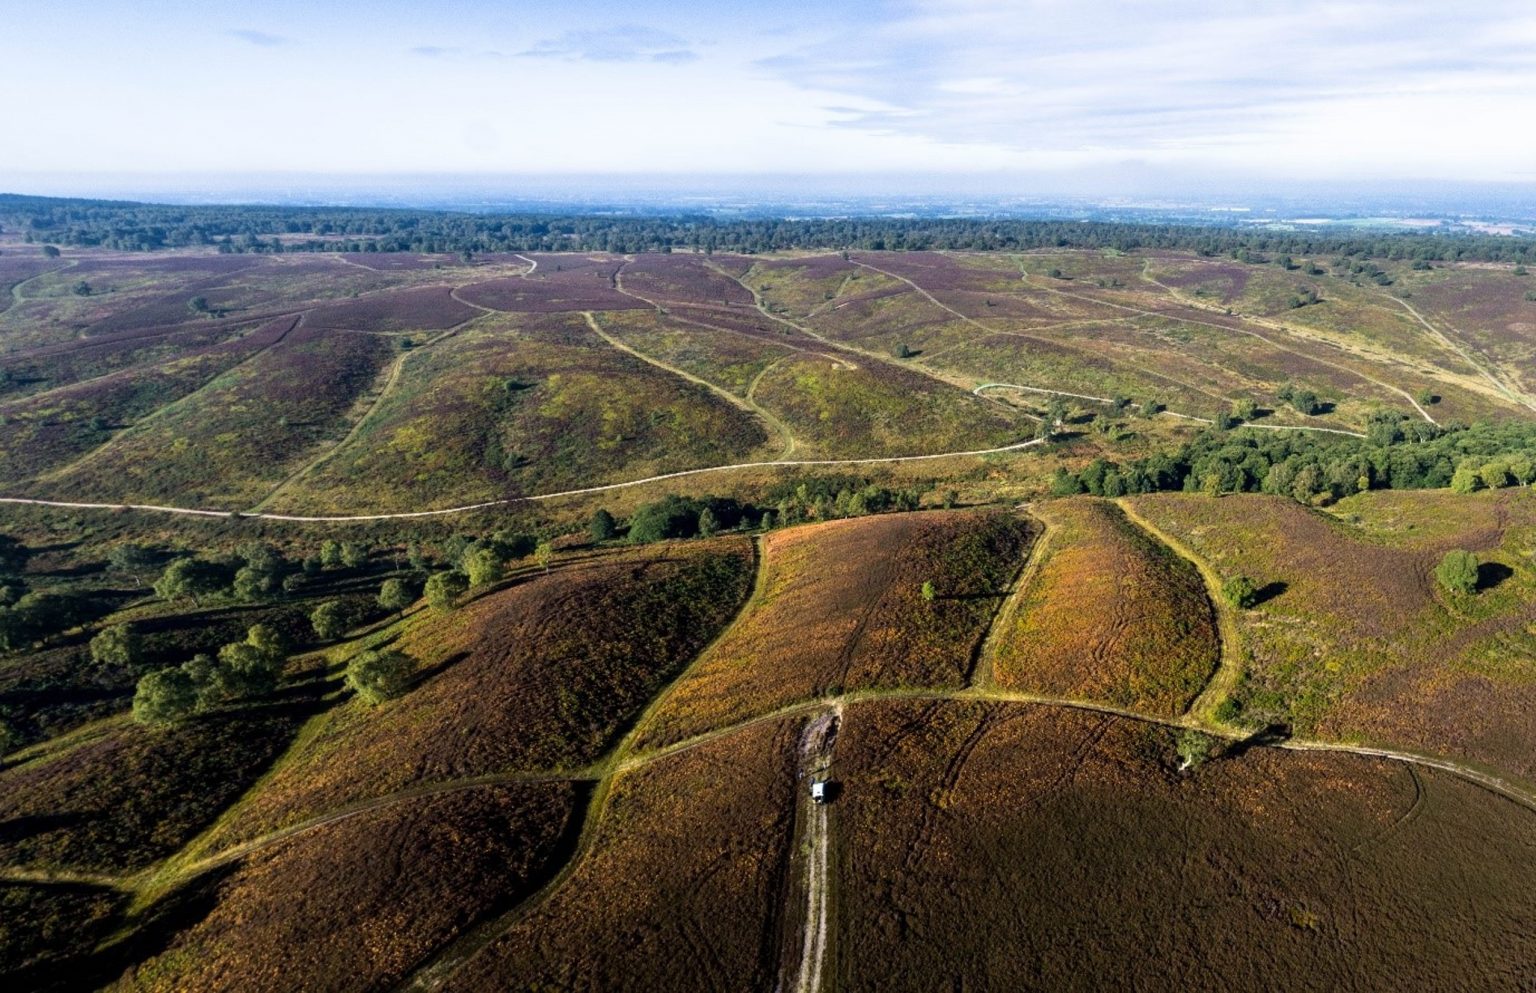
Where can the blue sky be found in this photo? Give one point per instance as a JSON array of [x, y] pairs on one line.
[[1299, 90]]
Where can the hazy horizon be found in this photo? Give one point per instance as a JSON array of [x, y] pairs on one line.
[[1081, 100]]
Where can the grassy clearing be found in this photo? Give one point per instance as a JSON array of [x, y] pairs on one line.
[[1111, 614], [841, 607], [681, 888], [1013, 847]]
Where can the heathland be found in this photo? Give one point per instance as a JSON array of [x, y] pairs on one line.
[[394, 605]]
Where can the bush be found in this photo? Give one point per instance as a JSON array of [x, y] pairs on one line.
[[603, 526], [116, 645], [188, 578], [1457, 572], [1240, 592], [164, 697], [482, 566], [380, 676], [330, 620], [395, 596], [444, 588]]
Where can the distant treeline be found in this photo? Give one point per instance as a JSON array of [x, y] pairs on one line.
[[148, 227], [1398, 453]]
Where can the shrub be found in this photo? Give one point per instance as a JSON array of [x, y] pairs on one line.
[[482, 565], [330, 620], [603, 527], [395, 595], [1240, 592], [188, 578], [116, 645], [354, 555], [1457, 572], [444, 588], [379, 676], [164, 697]]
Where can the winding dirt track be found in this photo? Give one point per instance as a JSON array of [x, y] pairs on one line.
[[340, 518]]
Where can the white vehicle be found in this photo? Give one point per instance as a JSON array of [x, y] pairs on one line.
[[818, 791]]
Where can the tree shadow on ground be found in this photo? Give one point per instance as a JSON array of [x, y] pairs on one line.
[[1269, 591], [1491, 574]]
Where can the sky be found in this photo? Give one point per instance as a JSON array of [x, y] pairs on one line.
[[1301, 90]]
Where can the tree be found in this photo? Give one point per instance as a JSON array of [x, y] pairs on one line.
[[766, 522], [903, 351], [708, 524], [254, 584], [164, 697], [1245, 409], [443, 588], [249, 668], [1240, 592], [928, 591], [545, 553], [379, 676], [50, 252], [395, 596], [10, 738], [330, 554], [82, 288], [330, 620], [134, 560], [482, 565], [119, 644], [354, 554], [187, 578], [1466, 479], [198, 305], [1194, 747], [603, 527], [1457, 571], [268, 639]]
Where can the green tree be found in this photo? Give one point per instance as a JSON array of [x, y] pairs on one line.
[[603, 527], [1240, 592], [1466, 479], [354, 554], [482, 565], [164, 697], [198, 305], [395, 596], [544, 554], [1495, 475], [187, 578], [254, 584], [330, 554], [1457, 571], [1194, 747], [928, 591], [708, 523], [119, 644], [330, 620], [1245, 409], [444, 588], [379, 676]]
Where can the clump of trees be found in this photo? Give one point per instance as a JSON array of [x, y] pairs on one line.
[[1397, 453], [1241, 592], [242, 670], [443, 589]]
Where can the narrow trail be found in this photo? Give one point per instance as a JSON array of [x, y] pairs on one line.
[[984, 674], [343, 518], [1185, 319], [741, 403], [16, 296], [1229, 666], [391, 380], [908, 365], [1509, 391], [532, 264], [816, 745], [178, 403]]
